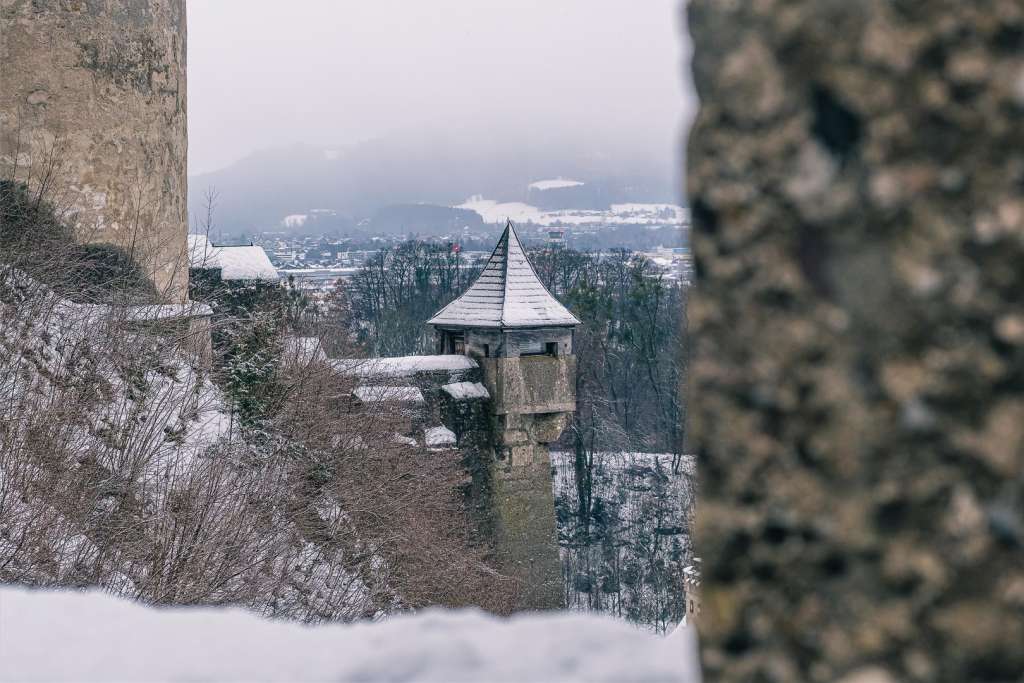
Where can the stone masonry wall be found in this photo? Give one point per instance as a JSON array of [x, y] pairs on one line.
[[857, 182], [531, 384], [92, 102], [531, 398]]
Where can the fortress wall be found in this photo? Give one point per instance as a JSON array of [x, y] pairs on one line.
[[93, 104]]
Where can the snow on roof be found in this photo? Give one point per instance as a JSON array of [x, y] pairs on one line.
[[76, 635], [247, 262], [403, 366], [201, 252], [439, 437], [507, 294], [466, 390], [382, 394], [554, 184]]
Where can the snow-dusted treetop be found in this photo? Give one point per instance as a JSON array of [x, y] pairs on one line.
[[236, 263], [74, 636], [507, 294]]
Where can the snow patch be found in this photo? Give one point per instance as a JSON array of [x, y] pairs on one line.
[[555, 184], [295, 220], [439, 437]]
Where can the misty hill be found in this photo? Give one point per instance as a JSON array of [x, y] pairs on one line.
[[421, 219], [354, 183]]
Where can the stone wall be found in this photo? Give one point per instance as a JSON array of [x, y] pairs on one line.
[[92, 104], [857, 389], [525, 533], [531, 384]]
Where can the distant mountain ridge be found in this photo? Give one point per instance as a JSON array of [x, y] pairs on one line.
[[359, 182]]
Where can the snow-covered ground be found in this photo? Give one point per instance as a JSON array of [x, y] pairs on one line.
[[114, 439], [74, 636], [628, 555], [619, 214]]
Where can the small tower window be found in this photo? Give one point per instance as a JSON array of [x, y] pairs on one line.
[[455, 343], [531, 348]]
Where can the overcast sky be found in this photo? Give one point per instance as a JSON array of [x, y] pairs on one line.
[[266, 73]]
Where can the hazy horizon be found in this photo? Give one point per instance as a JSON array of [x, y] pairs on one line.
[[604, 74]]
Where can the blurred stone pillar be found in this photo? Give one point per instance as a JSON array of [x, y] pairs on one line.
[[857, 181]]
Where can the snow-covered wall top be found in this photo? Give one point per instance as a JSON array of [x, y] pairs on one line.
[[65, 636], [402, 366]]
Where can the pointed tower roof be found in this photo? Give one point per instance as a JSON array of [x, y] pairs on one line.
[[507, 294]]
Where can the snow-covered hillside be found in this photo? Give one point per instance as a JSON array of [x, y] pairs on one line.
[[72, 636], [121, 467], [618, 214]]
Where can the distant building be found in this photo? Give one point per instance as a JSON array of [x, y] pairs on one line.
[[556, 239], [229, 263]]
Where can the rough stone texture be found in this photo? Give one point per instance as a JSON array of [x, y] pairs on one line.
[[525, 530], [98, 86], [531, 384], [857, 390]]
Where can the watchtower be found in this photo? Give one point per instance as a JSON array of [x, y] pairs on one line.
[[522, 338]]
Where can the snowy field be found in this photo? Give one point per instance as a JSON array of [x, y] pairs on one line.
[[74, 636], [619, 214]]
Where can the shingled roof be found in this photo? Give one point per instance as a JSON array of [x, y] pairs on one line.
[[507, 294]]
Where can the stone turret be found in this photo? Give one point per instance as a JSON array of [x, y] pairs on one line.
[[92, 105], [522, 338]]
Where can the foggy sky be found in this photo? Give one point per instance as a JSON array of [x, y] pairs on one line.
[[266, 73]]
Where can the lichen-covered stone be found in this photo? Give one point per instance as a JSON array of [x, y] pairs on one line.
[[93, 105], [856, 176]]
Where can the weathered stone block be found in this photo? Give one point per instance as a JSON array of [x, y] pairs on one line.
[[856, 177], [531, 384]]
